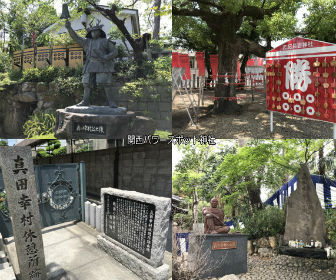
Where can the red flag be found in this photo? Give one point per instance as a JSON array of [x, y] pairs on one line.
[[238, 69], [175, 60], [260, 61], [251, 62], [214, 65], [200, 63], [184, 62]]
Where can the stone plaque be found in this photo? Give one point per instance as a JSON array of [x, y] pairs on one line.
[[130, 222], [224, 245], [19, 179], [98, 129]]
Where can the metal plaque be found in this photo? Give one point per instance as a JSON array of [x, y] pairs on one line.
[[130, 222], [224, 245]]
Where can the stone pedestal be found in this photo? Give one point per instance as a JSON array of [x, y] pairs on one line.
[[313, 253], [128, 259], [222, 254], [100, 122]]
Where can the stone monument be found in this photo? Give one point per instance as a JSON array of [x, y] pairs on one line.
[[305, 218], [135, 228], [214, 219], [84, 120], [18, 174]]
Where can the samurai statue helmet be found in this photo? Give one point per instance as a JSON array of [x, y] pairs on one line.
[[92, 27]]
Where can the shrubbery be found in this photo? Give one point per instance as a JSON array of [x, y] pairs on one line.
[[154, 73], [266, 222], [331, 224], [184, 220], [3, 205], [5, 62], [46, 75], [39, 124]]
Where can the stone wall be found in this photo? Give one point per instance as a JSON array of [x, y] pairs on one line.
[[21, 101], [142, 168], [159, 109], [6, 269]]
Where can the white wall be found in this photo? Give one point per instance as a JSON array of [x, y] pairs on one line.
[[107, 25]]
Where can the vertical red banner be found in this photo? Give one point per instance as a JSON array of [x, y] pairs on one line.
[[238, 69], [214, 65], [175, 60], [200, 63]]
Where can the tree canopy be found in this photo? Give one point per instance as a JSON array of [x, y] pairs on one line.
[[234, 27], [238, 172]]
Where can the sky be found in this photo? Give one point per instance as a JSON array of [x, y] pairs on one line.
[[12, 142], [300, 23]]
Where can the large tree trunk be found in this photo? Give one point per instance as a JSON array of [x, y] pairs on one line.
[[228, 52], [156, 29], [243, 66], [321, 162], [254, 197], [195, 206]]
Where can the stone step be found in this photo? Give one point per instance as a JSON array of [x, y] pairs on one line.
[[7, 274], [4, 265], [3, 257], [1, 243]]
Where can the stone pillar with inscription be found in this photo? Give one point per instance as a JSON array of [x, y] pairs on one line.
[[135, 228], [19, 179]]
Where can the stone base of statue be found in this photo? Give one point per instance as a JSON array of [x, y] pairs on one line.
[[222, 254], [100, 122]]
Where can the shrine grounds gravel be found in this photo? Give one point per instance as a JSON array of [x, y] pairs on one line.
[[286, 267], [253, 122]]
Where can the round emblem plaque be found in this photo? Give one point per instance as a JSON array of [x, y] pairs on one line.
[[61, 195]]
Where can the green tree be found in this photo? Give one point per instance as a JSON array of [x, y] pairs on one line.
[[3, 143], [26, 17], [320, 20], [53, 148], [236, 28], [237, 171]]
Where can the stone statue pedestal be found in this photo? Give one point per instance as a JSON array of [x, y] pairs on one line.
[[222, 253], [100, 122]]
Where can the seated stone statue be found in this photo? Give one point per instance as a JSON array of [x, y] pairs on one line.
[[214, 219]]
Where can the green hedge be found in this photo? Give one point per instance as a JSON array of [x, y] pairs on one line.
[[266, 222]]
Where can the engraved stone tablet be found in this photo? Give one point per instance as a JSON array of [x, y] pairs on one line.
[[18, 174], [135, 228], [130, 222]]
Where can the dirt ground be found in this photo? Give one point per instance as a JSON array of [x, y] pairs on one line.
[[253, 122]]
